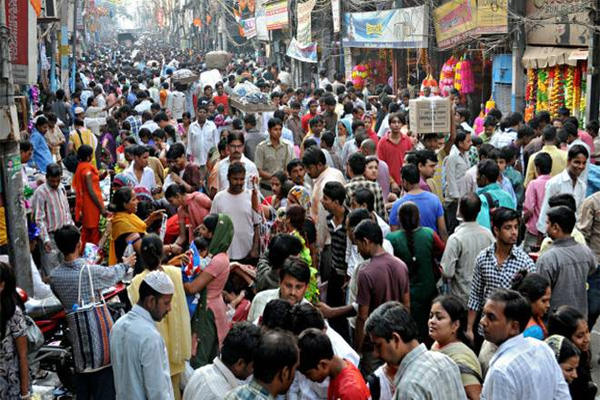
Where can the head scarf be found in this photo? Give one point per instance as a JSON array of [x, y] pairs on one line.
[[555, 342], [121, 180], [347, 125], [222, 235], [143, 194], [302, 196]]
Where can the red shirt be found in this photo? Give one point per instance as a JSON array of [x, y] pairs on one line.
[[223, 99], [305, 120], [348, 385], [393, 154]]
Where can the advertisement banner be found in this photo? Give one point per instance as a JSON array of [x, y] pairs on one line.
[[562, 23], [249, 27], [21, 20], [304, 30], [404, 28], [302, 53], [459, 20], [277, 15], [335, 12]]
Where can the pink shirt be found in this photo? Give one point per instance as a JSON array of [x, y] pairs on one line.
[[534, 199], [587, 139]]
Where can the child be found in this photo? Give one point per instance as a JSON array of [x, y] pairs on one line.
[[515, 177], [238, 304], [503, 181], [199, 260]]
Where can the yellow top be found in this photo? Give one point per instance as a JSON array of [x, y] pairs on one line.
[[175, 328], [3, 237], [559, 162]]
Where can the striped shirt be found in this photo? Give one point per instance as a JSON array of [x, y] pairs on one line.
[[339, 240], [50, 209]]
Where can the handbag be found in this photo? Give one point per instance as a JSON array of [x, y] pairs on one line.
[[35, 337], [89, 326], [205, 330], [71, 161]]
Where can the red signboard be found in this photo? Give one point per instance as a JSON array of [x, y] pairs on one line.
[[17, 15]]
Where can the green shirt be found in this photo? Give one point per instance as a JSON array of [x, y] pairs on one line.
[[502, 198]]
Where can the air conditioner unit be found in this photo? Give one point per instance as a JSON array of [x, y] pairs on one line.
[[49, 10]]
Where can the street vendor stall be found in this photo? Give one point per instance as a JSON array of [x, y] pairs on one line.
[[556, 77]]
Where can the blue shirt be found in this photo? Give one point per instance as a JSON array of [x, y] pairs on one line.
[[41, 153], [139, 358], [429, 206]]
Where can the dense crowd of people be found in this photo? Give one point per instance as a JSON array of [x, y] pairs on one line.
[[321, 250]]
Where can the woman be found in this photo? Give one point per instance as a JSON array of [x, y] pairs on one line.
[[570, 323], [295, 218], [184, 127], [420, 261], [302, 222], [447, 326], [343, 134], [191, 210], [14, 366], [108, 144], [89, 205], [369, 124], [372, 174], [175, 327], [536, 288], [567, 356], [279, 197], [218, 229], [127, 227]]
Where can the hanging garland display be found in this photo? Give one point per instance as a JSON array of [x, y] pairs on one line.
[[530, 94]]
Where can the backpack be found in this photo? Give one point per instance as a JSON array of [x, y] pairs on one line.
[[492, 204]]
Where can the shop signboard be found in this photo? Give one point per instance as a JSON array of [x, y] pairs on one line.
[[304, 30], [459, 20], [403, 28], [249, 27], [558, 22], [277, 15], [21, 21], [301, 52]]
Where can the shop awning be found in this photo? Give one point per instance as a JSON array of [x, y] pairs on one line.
[[542, 57]]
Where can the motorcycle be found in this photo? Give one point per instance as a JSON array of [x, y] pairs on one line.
[[56, 354]]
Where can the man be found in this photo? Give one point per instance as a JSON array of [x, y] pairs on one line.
[[329, 116], [392, 147], [294, 277], [253, 136], [355, 169], [369, 148], [296, 172], [236, 202], [137, 350], [61, 109], [144, 103], [81, 135], [313, 105], [568, 181], [426, 162], [365, 199], [567, 264], [559, 157], [318, 362], [384, 279], [148, 122], [51, 212], [522, 368], [461, 119], [456, 166], [275, 362], [463, 246], [42, 156], [139, 171], [534, 200], [422, 374], [176, 102], [589, 226], [64, 281], [227, 372], [431, 210], [135, 121], [502, 159], [316, 128], [509, 135], [202, 136], [490, 192], [496, 265], [315, 164], [235, 149], [294, 123], [182, 172], [272, 154], [221, 97]]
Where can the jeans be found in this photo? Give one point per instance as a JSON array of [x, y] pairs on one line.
[[99, 385]]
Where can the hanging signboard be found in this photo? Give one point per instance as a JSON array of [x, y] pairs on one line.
[[277, 15], [249, 27], [404, 28], [335, 12], [21, 21], [301, 52], [459, 20], [304, 30], [563, 23]]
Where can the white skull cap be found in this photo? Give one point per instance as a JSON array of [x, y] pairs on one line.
[[160, 282]]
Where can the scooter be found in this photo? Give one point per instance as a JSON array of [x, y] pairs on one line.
[[56, 354]]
